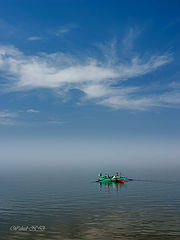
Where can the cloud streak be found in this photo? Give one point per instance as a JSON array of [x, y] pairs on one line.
[[7, 118], [35, 38], [101, 80], [32, 111], [61, 30], [57, 122]]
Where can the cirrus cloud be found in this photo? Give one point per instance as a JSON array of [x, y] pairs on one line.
[[102, 81], [7, 118], [32, 111]]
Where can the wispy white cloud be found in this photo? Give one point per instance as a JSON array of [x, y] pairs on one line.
[[101, 81], [7, 118], [175, 85], [129, 38], [32, 111], [35, 38], [57, 122], [61, 30]]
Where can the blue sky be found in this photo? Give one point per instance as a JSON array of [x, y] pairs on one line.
[[90, 69]]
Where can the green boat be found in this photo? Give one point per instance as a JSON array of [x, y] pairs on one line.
[[111, 179]]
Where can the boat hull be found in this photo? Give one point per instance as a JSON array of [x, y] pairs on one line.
[[104, 180]]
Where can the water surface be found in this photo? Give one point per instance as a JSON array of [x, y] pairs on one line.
[[73, 206]]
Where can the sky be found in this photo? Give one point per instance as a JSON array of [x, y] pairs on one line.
[[94, 78]]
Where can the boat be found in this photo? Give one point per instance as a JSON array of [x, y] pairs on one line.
[[111, 179], [116, 178]]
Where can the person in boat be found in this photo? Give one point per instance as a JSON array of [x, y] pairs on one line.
[[116, 175], [106, 175]]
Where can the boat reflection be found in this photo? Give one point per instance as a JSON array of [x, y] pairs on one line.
[[111, 185]]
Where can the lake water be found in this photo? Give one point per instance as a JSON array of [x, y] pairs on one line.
[[64, 205]]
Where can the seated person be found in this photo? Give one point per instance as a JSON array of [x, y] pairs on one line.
[[116, 175]]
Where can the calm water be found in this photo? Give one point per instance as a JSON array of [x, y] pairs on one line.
[[74, 206]]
